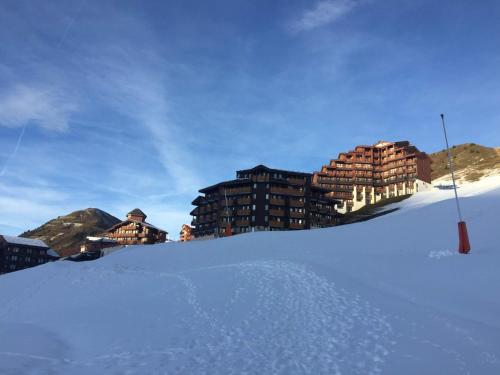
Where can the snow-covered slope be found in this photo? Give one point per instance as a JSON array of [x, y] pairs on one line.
[[388, 296]]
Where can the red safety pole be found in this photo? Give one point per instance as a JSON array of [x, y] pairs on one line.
[[463, 236], [228, 232]]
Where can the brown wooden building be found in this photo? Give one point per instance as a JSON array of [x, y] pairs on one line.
[[368, 174], [135, 230], [186, 233], [96, 244], [262, 199], [17, 253]]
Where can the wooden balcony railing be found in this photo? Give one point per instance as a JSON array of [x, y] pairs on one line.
[[242, 190], [276, 224], [296, 226], [283, 191], [274, 212], [295, 203], [243, 212], [242, 223], [277, 202], [244, 200]]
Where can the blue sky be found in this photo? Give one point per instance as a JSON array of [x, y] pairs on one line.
[[117, 105]]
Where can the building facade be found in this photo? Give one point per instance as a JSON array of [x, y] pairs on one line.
[[262, 199], [136, 231], [186, 233], [369, 174], [17, 253], [96, 244]]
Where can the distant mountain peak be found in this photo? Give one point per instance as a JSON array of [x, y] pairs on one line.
[[471, 162], [66, 233]]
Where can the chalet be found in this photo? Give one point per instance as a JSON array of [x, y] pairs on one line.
[[136, 231], [96, 244], [186, 233], [17, 253]]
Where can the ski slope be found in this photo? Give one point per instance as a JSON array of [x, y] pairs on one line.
[[386, 296]]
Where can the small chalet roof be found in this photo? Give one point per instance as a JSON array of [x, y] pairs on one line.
[[24, 241], [137, 212]]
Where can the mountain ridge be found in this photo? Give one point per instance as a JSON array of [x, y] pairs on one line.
[[66, 233], [471, 162]]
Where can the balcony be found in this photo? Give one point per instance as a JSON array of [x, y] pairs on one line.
[[276, 224], [274, 212], [296, 215], [296, 226], [242, 223], [284, 191], [236, 191], [260, 178], [297, 181], [246, 200], [243, 212], [277, 202], [295, 203]]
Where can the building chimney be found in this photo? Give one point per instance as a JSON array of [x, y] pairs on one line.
[[136, 215]]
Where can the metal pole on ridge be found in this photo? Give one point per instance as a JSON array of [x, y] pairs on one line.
[[463, 237]]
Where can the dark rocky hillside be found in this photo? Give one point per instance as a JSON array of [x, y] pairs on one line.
[[66, 233], [471, 161]]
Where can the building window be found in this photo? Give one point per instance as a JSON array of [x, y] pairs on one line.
[[15, 249]]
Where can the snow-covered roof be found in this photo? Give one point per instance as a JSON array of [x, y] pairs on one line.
[[24, 241], [52, 253], [99, 239]]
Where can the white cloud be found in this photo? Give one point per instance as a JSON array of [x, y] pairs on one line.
[[46, 107], [135, 88], [323, 12]]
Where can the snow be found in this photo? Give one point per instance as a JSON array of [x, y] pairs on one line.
[[386, 296], [24, 241]]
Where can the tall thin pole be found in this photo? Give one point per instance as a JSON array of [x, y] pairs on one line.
[[450, 159], [463, 236]]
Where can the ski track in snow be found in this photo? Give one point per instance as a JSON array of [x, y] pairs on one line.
[[293, 321]]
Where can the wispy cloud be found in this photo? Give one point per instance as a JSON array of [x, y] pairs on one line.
[[322, 13], [137, 90], [46, 107]]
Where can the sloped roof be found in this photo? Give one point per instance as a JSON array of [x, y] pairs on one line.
[[267, 169], [53, 253], [24, 241], [137, 212], [236, 182]]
